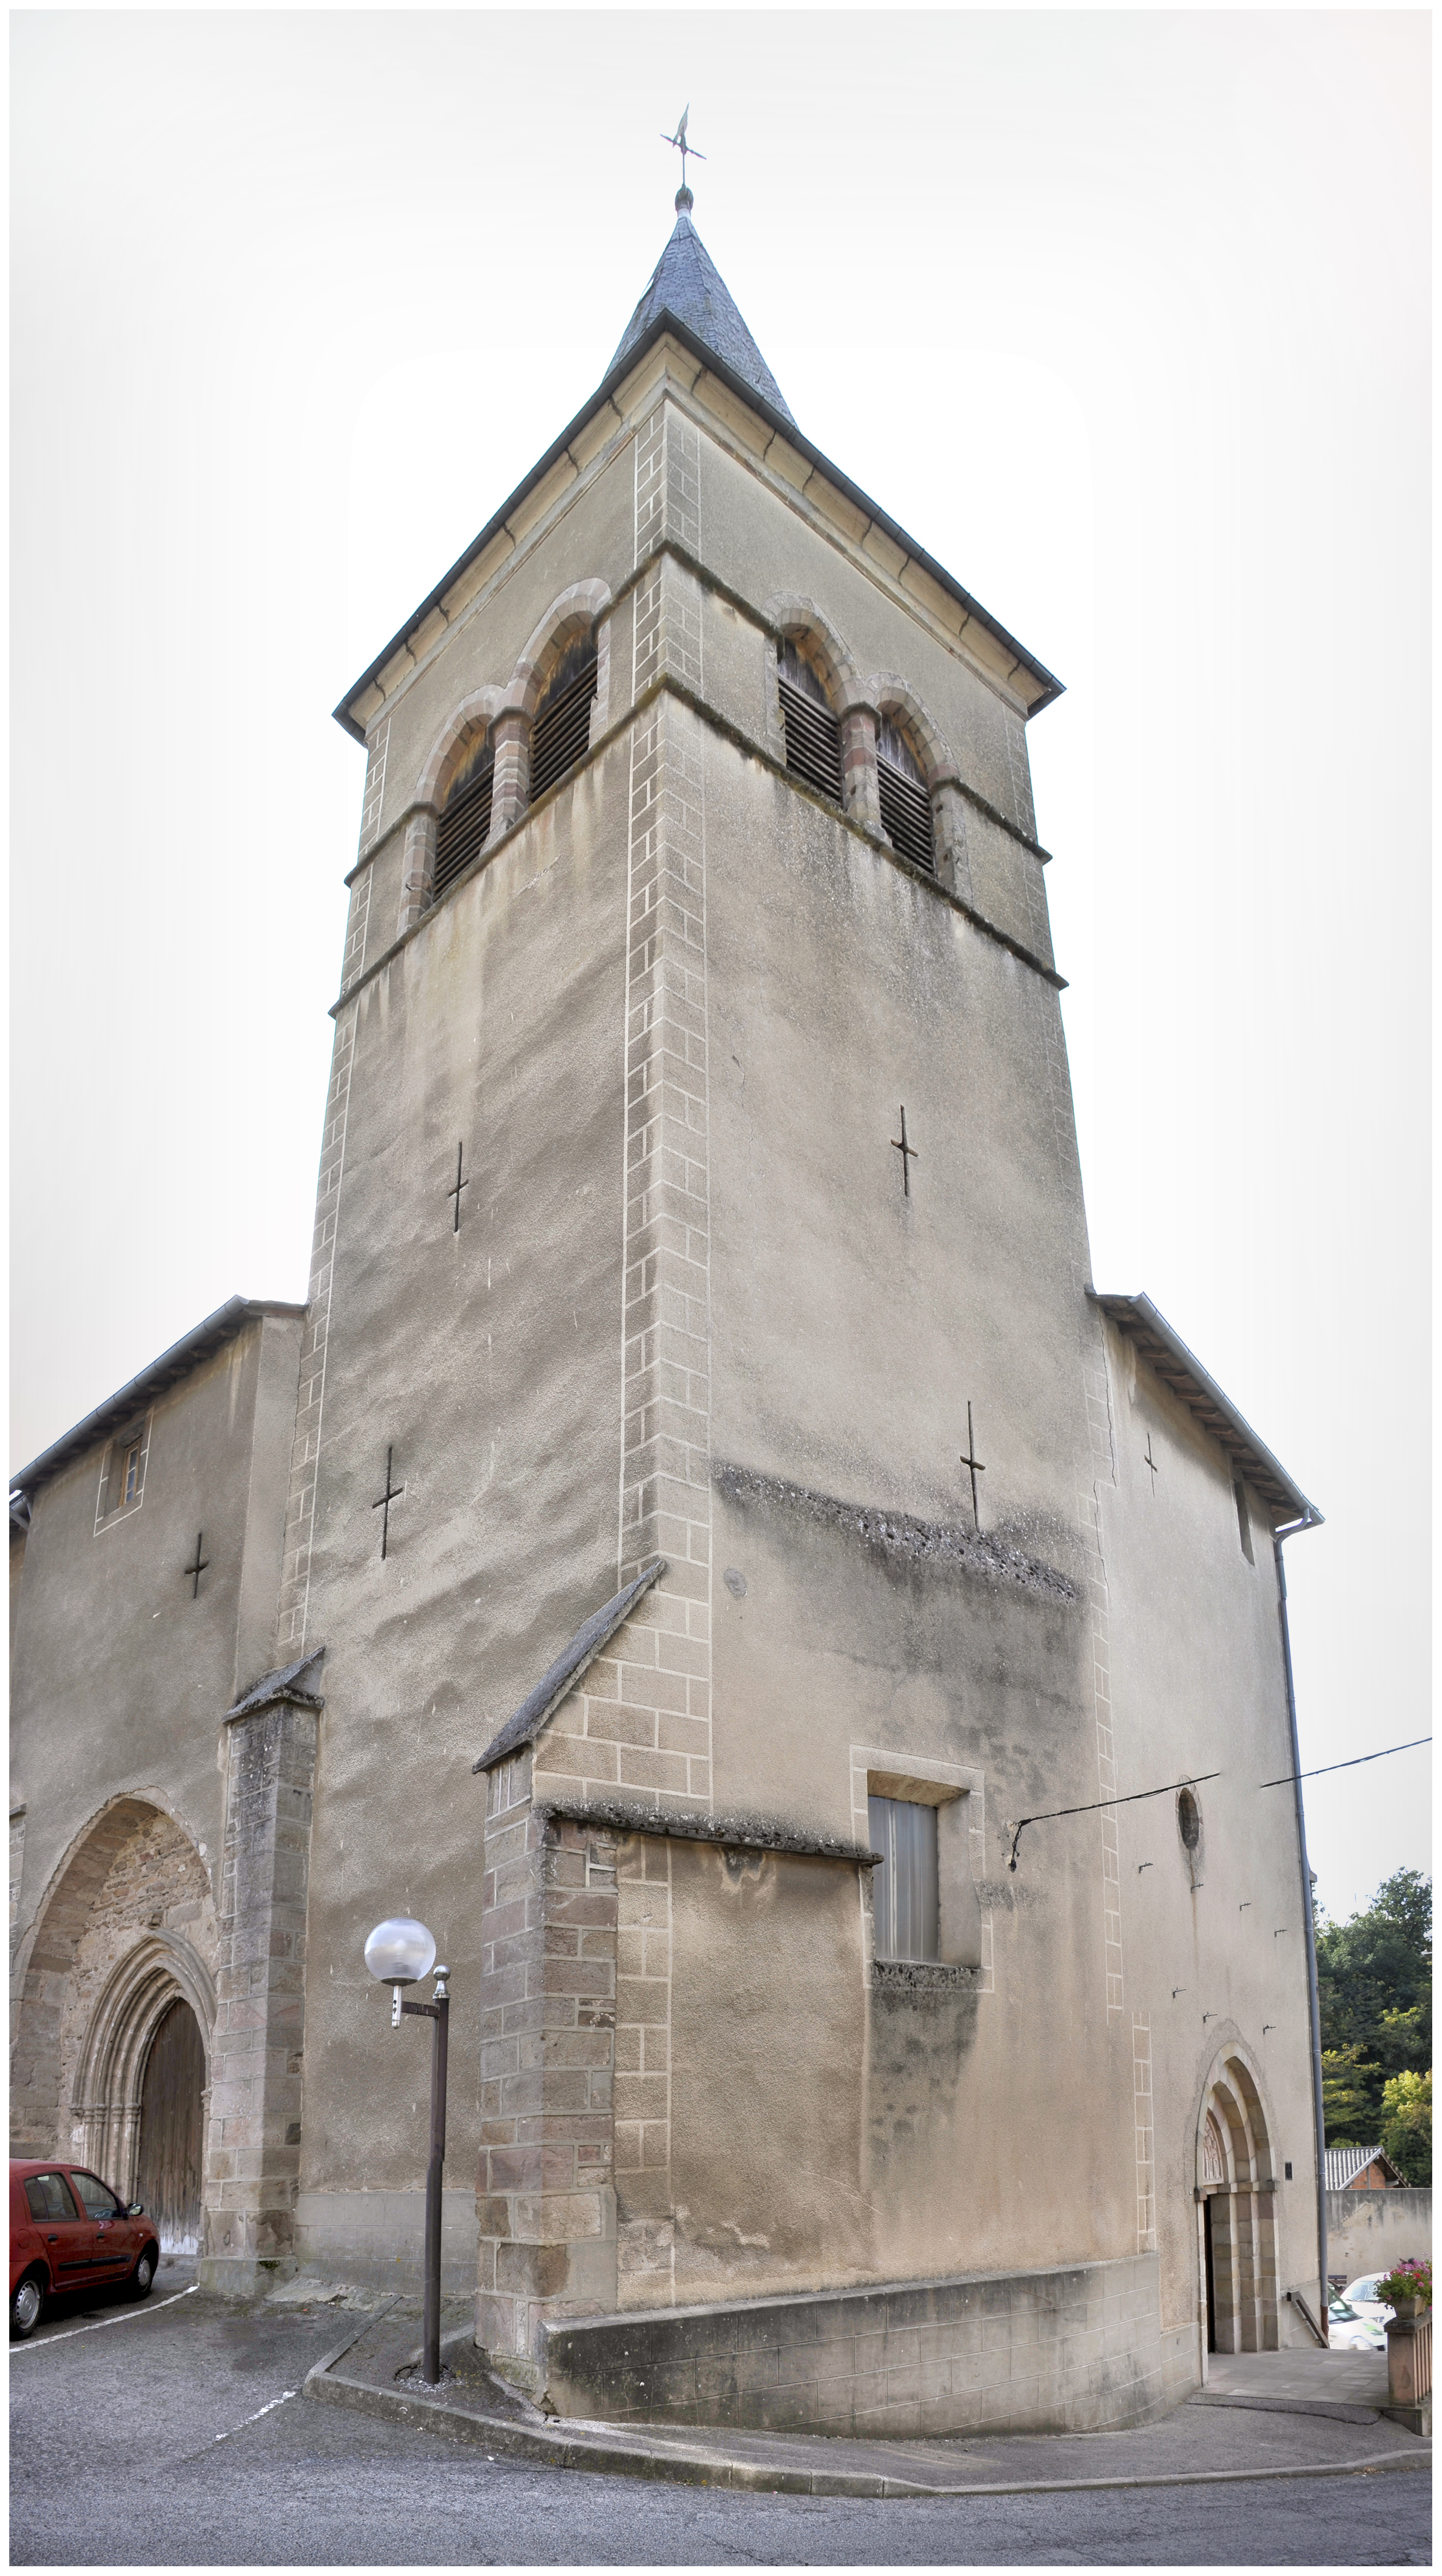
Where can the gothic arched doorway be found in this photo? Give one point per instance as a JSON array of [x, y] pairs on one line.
[[1236, 2213], [172, 2094]]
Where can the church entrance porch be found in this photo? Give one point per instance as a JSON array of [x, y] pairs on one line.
[[121, 1964], [1236, 2214]]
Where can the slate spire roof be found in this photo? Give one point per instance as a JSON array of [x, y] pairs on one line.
[[687, 282]]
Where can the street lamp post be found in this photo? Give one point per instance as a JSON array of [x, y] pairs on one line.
[[399, 1952]]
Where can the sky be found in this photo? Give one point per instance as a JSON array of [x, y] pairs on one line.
[[1123, 315]]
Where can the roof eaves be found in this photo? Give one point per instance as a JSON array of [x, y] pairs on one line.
[[784, 427], [198, 1344], [1178, 1368], [566, 1671], [1343, 2164]]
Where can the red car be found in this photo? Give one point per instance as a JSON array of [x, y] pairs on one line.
[[69, 2231]]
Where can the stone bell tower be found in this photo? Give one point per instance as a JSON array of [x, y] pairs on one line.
[[703, 1417]]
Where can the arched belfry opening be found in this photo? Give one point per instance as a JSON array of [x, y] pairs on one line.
[[811, 727], [121, 1965], [465, 823], [905, 799], [561, 726], [1236, 2213]]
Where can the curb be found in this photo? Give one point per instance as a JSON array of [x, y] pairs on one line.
[[500, 2436], [1340, 2412]]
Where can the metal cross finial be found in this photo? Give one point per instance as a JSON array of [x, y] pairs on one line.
[[908, 1153], [971, 1460], [383, 1502], [455, 1191], [196, 1570], [680, 144]]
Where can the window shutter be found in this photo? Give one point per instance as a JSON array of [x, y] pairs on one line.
[[465, 826], [813, 740], [561, 734], [905, 803], [906, 815]]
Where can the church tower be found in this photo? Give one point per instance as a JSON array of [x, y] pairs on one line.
[[721, 1511]]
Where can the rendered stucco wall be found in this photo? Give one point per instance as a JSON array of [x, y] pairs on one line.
[[1369, 2231]]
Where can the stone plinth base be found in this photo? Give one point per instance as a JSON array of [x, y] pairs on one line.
[[1079, 2349], [244, 2276]]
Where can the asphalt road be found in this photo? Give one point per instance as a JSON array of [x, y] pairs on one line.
[[176, 2435]]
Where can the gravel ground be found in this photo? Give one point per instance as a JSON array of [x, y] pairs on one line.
[[177, 2436]]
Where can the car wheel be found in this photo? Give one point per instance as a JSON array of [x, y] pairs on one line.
[[27, 2306], [143, 2274]]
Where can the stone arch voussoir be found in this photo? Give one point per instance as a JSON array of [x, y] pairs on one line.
[[891, 695], [794, 614], [572, 613], [160, 1970], [457, 736]]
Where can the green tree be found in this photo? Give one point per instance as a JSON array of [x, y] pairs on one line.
[[1347, 2098], [1407, 2126], [1374, 1977]]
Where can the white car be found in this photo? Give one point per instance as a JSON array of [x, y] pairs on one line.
[[1349, 2332], [1362, 2295]]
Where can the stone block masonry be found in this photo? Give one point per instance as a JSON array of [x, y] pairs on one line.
[[1076, 2350], [252, 2164], [545, 2192]]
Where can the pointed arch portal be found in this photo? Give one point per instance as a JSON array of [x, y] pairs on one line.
[[116, 2011]]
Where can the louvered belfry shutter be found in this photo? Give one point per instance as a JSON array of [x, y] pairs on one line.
[[561, 733], [905, 804], [465, 826], [813, 733]]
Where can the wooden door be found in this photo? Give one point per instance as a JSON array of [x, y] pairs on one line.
[[170, 2129]]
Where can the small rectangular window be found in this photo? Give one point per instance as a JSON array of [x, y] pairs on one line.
[[904, 1884], [122, 1481], [1244, 1519]]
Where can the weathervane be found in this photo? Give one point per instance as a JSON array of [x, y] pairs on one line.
[[680, 144]]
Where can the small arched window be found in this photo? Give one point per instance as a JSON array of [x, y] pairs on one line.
[[1189, 1820], [813, 734], [465, 824], [561, 728], [905, 802]]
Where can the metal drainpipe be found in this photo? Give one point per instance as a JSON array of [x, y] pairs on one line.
[[1313, 2004]]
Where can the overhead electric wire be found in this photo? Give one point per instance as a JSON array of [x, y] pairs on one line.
[[1130, 1800], [1097, 1804], [1380, 1756]]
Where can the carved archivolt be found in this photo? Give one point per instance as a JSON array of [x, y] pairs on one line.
[[106, 2103]]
